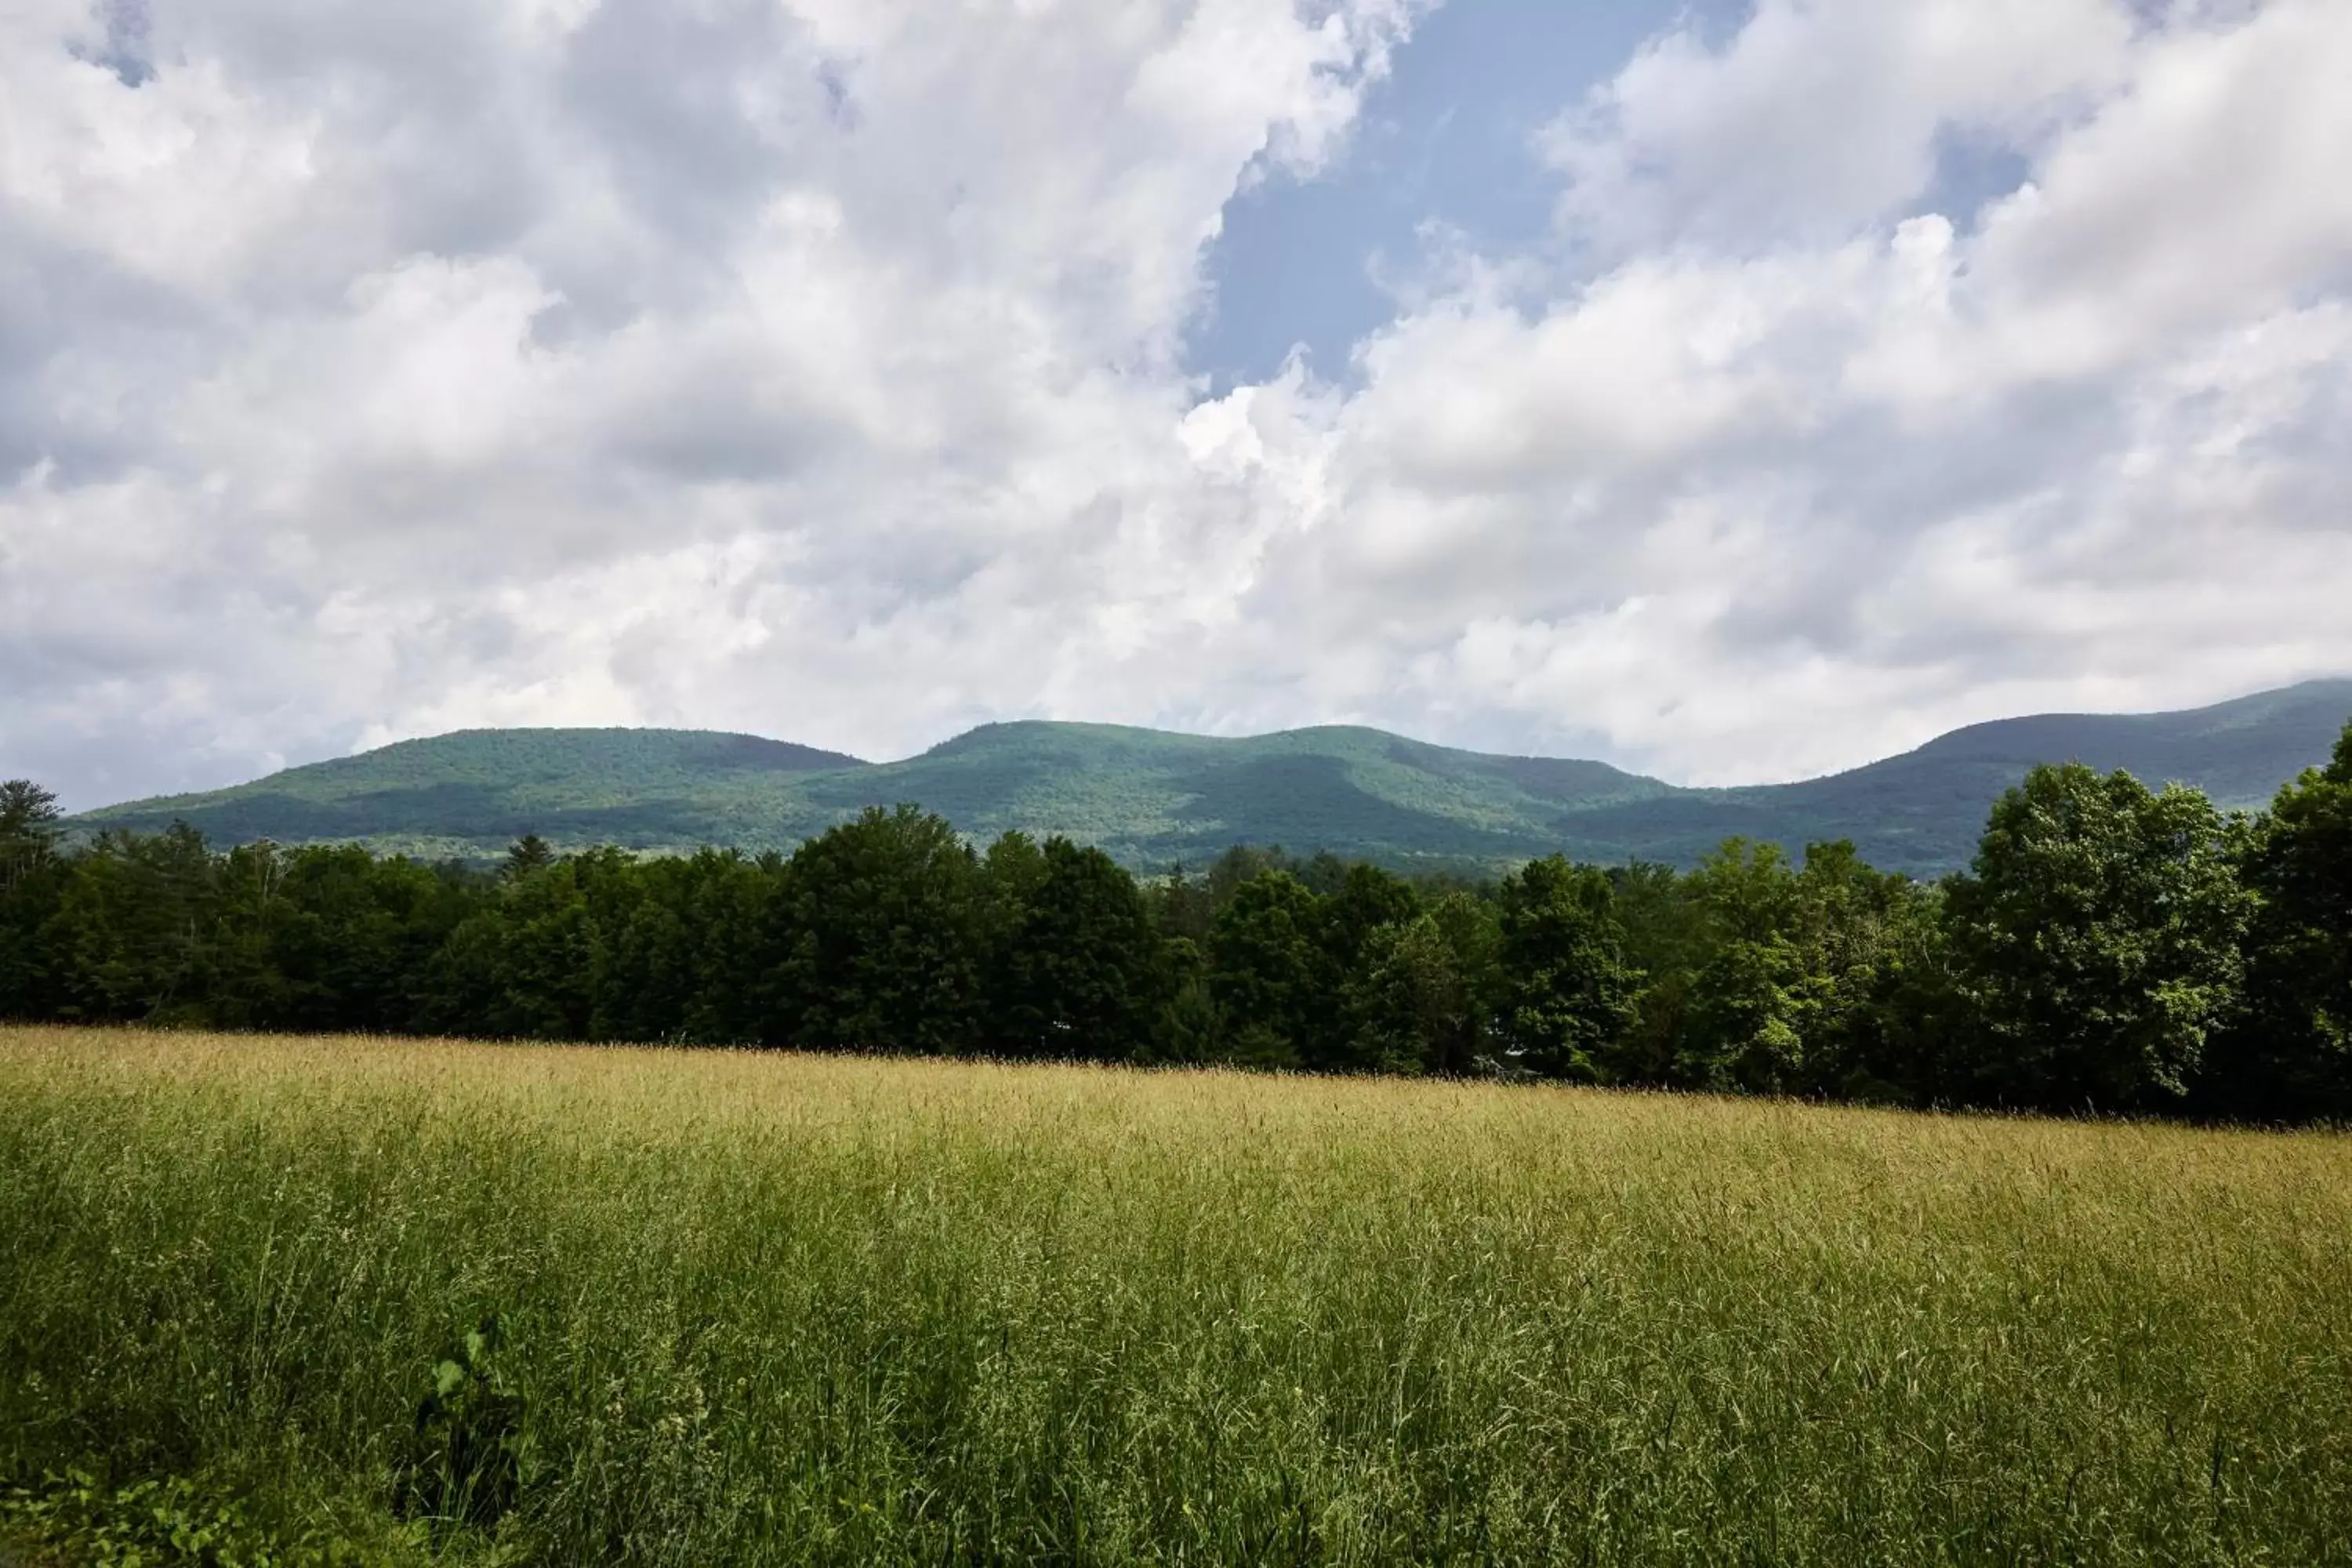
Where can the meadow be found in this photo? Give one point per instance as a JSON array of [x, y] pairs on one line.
[[738, 1307]]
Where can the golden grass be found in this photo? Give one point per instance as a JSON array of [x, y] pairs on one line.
[[776, 1308]]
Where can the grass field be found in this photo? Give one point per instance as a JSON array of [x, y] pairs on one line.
[[783, 1309]]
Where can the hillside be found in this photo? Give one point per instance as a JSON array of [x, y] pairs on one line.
[[1922, 811], [1152, 798], [474, 792]]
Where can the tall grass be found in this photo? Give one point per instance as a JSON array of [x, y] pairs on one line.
[[785, 1308]]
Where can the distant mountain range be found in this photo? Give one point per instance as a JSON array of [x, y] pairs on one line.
[[1152, 799]]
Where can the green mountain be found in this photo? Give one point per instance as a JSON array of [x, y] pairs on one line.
[[1922, 811], [472, 792], [1152, 798]]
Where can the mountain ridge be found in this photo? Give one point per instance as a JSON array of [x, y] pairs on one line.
[[1152, 797]]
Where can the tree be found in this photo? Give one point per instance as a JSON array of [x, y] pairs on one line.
[[1364, 902], [524, 965], [2096, 943], [353, 936], [649, 947], [2290, 1056], [1077, 970], [1789, 983], [133, 926], [1565, 994], [1268, 969], [1181, 907], [527, 855], [1667, 939], [883, 925], [29, 827], [32, 878], [1409, 1006], [240, 984], [1871, 945], [1751, 998], [739, 914]]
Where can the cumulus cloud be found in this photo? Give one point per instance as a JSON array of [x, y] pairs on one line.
[[815, 368], [809, 368], [1768, 464]]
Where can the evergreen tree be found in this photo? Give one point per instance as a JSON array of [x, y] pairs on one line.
[[32, 883], [529, 855], [29, 827], [1181, 907]]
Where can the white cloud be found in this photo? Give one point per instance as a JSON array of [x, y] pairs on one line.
[[814, 369], [1804, 469], [1823, 114], [807, 368]]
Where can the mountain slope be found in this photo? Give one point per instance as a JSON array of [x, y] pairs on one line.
[[473, 792], [1152, 798], [1147, 796], [1922, 811]]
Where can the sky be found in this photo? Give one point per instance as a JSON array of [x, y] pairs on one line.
[[1734, 392]]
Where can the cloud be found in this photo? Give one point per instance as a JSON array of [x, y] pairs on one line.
[[1767, 465], [798, 368], [816, 369]]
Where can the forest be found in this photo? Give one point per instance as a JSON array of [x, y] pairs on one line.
[[2112, 948]]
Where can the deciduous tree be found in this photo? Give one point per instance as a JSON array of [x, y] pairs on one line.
[[2096, 942]]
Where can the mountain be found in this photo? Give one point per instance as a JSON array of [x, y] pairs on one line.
[[1923, 811], [1152, 798], [472, 792]]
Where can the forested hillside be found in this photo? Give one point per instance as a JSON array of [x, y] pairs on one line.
[[1150, 799], [471, 793], [2111, 947]]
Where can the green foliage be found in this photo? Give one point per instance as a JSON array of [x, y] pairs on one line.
[[1786, 980], [133, 926], [1751, 998], [1410, 1006], [1269, 969], [354, 935], [2115, 950], [160, 1521], [2290, 1056], [2097, 942], [29, 827], [885, 917], [529, 856], [1565, 994], [523, 965], [32, 880], [473, 1453], [1077, 969]]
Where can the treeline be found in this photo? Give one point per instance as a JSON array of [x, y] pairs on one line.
[[2111, 949]]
